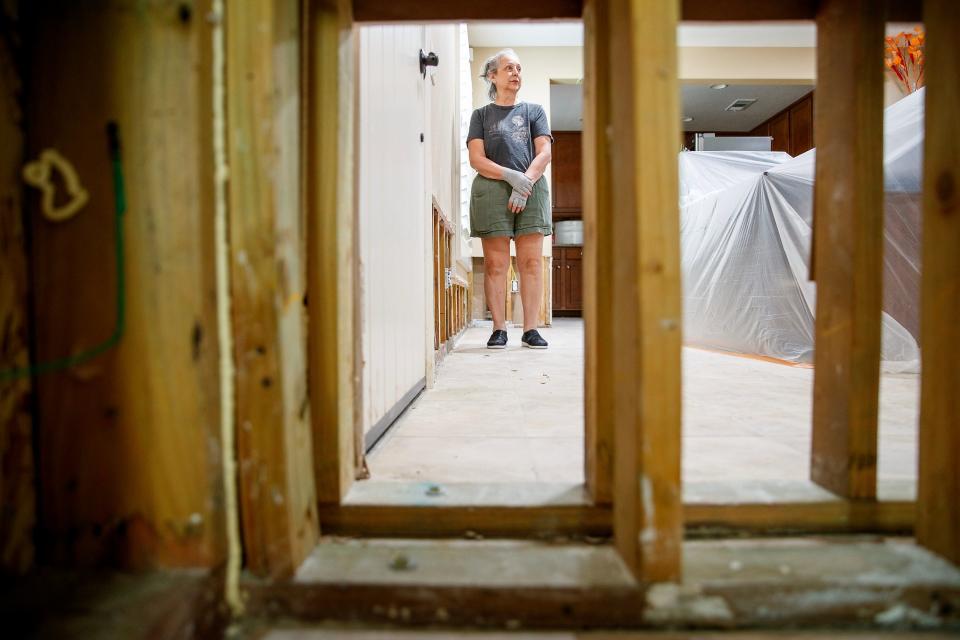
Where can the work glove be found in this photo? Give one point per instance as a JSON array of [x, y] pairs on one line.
[[518, 202], [518, 181]]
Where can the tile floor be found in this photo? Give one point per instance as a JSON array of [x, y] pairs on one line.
[[517, 416]]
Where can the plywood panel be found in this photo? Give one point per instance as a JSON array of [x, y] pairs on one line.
[[17, 495], [938, 512], [129, 445], [848, 228], [393, 217]]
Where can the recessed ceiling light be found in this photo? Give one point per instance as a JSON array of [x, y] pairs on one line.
[[687, 118], [719, 85]]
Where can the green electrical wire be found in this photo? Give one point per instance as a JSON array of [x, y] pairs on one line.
[[120, 207]]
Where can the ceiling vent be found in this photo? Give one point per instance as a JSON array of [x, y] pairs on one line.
[[740, 104]]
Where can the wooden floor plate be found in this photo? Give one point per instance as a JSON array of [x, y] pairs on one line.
[[728, 584]]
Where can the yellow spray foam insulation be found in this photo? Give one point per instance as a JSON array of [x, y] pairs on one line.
[[227, 371], [38, 174]]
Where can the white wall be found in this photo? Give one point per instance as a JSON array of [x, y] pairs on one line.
[[747, 65], [444, 119], [394, 217]]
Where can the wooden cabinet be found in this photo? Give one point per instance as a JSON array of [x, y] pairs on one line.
[[801, 126], [780, 132], [566, 175], [567, 281], [567, 196], [791, 129]]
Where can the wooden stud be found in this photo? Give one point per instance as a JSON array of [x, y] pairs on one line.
[[444, 291], [421, 11], [598, 254], [17, 492], [782, 518], [938, 490], [748, 10], [449, 296], [457, 521], [764, 10], [576, 520], [645, 313], [332, 254], [277, 489], [128, 443], [848, 225], [436, 280]]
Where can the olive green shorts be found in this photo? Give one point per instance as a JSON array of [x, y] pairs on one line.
[[490, 218]]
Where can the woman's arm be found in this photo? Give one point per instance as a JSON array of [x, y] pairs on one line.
[[542, 146], [479, 161]]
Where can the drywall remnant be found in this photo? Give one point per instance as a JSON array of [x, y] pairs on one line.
[[901, 615], [648, 535], [669, 603]]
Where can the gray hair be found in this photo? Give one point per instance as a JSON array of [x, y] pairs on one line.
[[491, 65]]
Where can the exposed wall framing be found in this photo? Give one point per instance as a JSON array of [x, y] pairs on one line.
[[129, 447], [128, 442], [450, 291], [644, 487]]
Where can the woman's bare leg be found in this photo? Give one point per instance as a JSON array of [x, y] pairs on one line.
[[496, 265], [530, 263]]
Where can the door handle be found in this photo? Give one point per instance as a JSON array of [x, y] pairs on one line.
[[427, 60]]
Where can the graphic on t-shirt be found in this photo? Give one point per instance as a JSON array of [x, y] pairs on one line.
[[519, 132]]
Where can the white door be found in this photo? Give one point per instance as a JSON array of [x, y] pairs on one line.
[[392, 221]]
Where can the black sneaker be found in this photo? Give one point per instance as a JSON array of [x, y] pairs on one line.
[[498, 340], [533, 340]]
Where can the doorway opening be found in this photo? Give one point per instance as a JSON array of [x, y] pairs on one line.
[[455, 413]]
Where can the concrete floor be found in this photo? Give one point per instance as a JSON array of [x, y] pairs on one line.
[[517, 416]]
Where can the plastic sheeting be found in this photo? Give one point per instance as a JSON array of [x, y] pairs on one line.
[[745, 230]]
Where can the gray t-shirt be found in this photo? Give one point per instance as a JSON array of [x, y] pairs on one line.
[[508, 132]]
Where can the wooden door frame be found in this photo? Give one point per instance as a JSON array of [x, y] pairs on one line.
[[333, 281], [642, 503]]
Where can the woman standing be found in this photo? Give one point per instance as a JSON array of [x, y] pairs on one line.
[[509, 144]]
